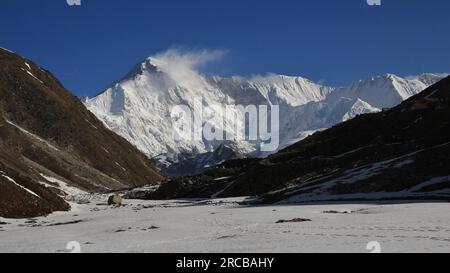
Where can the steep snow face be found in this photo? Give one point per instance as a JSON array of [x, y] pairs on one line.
[[139, 106], [272, 89], [386, 91], [360, 107]]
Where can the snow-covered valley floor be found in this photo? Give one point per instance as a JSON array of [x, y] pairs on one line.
[[224, 226]]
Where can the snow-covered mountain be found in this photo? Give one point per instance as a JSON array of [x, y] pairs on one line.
[[138, 107]]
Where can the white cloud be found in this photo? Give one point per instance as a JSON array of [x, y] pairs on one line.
[[186, 59], [183, 66]]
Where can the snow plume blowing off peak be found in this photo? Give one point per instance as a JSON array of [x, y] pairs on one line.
[[183, 66], [139, 106]]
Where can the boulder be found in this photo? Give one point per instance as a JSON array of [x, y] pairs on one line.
[[115, 200]]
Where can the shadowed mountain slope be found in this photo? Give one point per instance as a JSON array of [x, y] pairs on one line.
[[399, 153], [45, 131]]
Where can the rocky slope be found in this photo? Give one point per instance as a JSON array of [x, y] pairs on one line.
[[398, 153], [138, 107], [47, 135]]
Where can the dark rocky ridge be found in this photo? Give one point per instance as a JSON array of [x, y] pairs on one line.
[[45, 129], [191, 165], [391, 152]]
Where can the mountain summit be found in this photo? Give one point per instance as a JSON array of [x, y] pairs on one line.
[[138, 106], [399, 153]]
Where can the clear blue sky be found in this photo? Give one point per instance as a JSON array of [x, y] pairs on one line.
[[90, 46]]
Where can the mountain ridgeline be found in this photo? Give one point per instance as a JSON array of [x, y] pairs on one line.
[[138, 108], [382, 138], [49, 141], [399, 153]]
